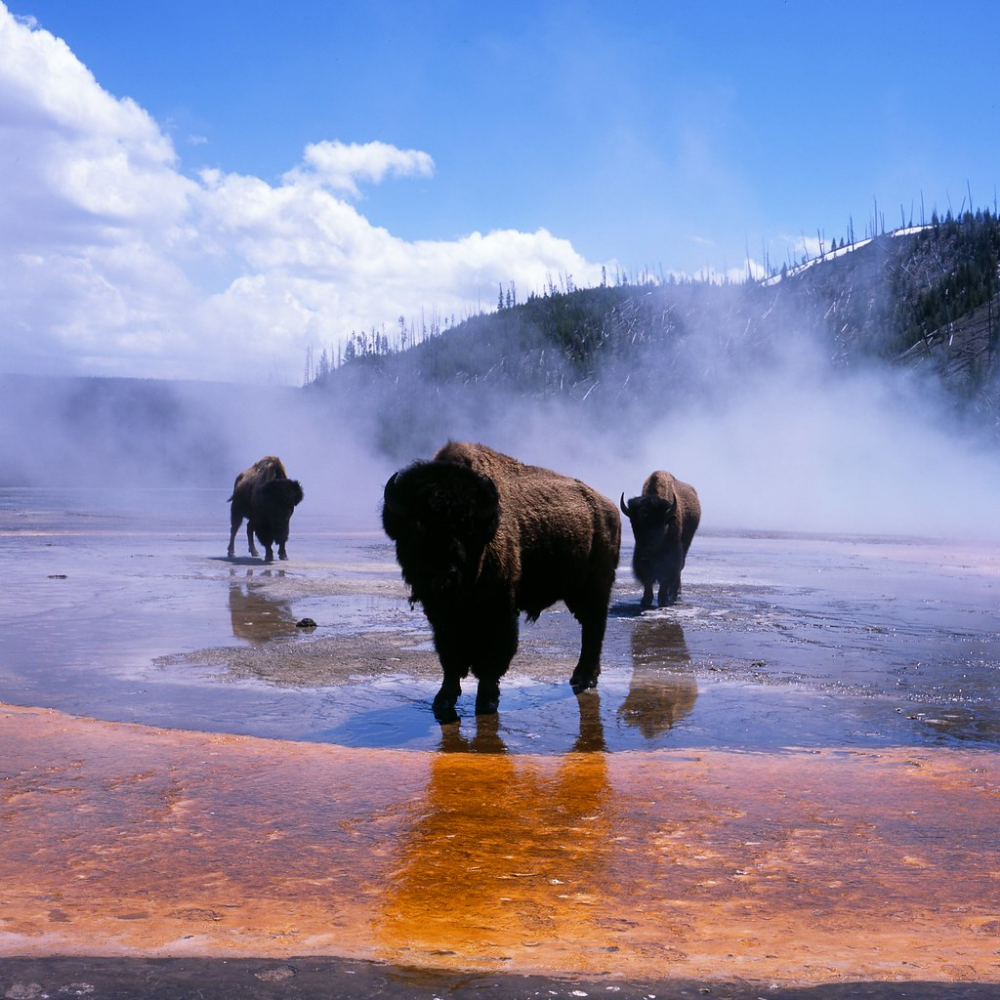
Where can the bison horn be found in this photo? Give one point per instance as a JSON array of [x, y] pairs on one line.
[[390, 488], [625, 506]]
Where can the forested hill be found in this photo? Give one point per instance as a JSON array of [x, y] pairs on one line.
[[925, 300]]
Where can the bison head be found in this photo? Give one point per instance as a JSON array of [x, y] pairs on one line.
[[441, 517], [651, 517], [277, 499]]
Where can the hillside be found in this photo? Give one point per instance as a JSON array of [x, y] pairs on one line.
[[924, 301]]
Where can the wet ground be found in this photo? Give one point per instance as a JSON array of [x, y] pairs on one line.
[[780, 641], [788, 781]]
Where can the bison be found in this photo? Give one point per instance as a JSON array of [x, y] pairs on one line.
[[664, 519], [267, 498], [481, 537]]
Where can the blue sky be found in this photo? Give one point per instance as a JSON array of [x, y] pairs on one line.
[[209, 189]]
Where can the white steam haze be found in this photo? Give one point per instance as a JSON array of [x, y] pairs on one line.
[[797, 447], [114, 261]]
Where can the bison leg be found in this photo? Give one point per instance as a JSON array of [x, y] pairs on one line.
[[455, 664], [282, 554], [670, 582], [593, 624], [231, 551], [498, 642], [486, 645], [268, 554], [253, 548], [488, 696], [444, 701], [647, 596], [669, 593]]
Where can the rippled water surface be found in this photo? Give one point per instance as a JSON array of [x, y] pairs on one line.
[[121, 605]]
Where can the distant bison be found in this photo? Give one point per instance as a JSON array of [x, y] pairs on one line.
[[664, 519], [266, 497], [481, 537]]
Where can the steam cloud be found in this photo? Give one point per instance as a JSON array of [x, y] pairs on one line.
[[789, 445]]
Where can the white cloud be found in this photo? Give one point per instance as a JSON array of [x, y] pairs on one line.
[[341, 165], [112, 261]]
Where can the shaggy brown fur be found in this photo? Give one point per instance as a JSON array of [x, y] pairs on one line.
[[480, 537], [267, 498], [664, 519]]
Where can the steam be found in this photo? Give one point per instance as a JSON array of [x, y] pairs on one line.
[[793, 445], [126, 434], [853, 456], [774, 437]]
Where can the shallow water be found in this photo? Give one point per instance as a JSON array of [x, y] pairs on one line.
[[809, 792], [121, 605]]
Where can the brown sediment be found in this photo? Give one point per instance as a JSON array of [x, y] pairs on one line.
[[797, 867]]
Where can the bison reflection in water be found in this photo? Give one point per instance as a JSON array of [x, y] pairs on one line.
[[498, 846], [256, 616], [663, 689], [481, 537], [664, 519], [267, 498]]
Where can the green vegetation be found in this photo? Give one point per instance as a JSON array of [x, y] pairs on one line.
[[956, 274]]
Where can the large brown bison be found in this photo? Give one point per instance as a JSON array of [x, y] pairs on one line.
[[664, 519], [267, 498], [481, 537]]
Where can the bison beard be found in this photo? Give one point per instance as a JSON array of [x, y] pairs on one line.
[[664, 519], [481, 537], [267, 498]]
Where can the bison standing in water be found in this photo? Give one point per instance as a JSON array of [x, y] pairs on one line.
[[664, 519], [266, 497], [481, 537]]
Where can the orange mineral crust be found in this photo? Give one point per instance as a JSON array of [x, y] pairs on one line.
[[796, 867]]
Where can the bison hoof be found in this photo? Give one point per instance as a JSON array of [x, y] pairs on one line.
[[487, 706], [444, 711], [581, 684]]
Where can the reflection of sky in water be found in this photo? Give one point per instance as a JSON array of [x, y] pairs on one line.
[[778, 642]]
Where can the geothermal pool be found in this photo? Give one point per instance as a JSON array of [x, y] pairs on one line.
[[791, 777], [122, 606]]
